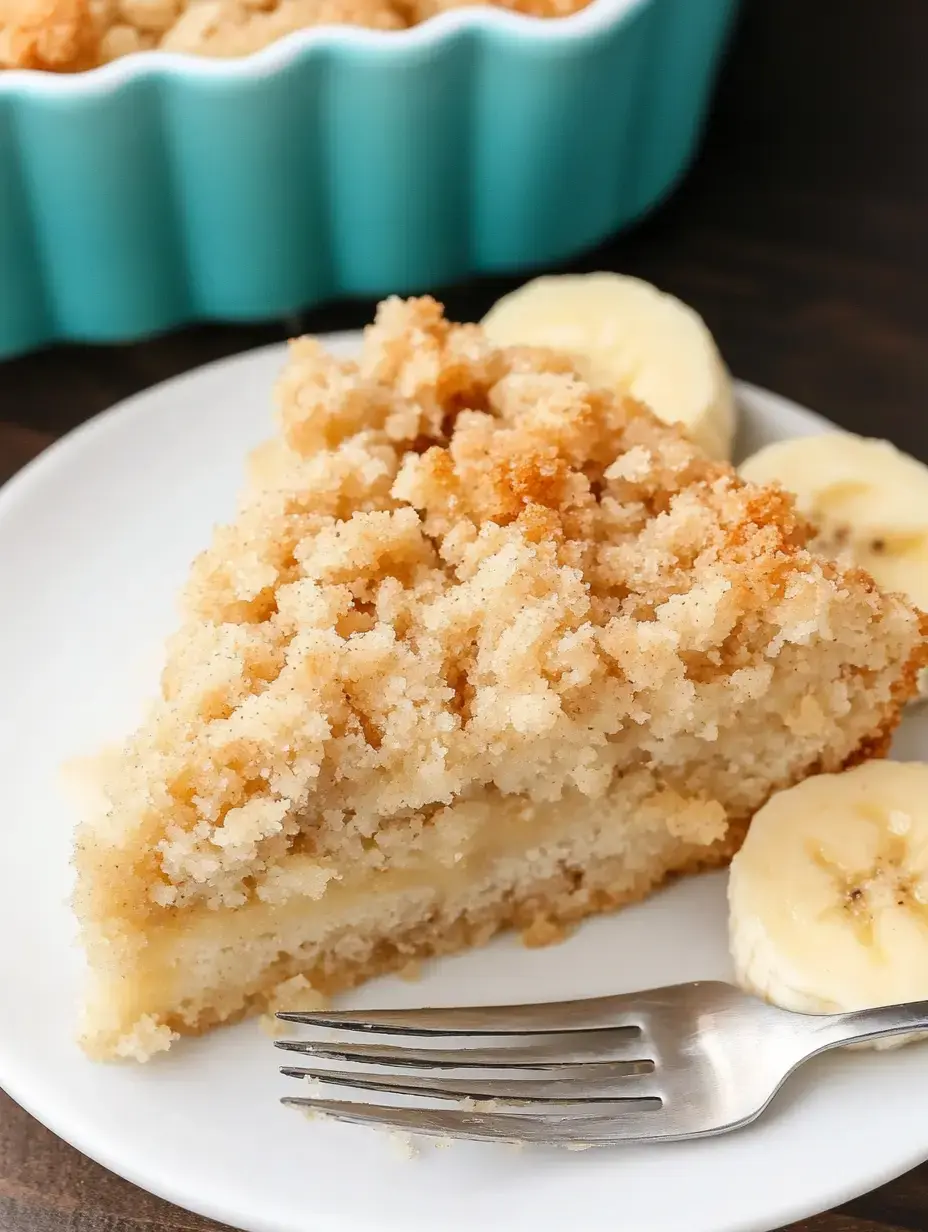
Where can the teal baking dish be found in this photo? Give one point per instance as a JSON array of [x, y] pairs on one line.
[[340, 161]]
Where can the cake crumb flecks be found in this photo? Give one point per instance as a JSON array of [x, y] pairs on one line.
[[147, 1039], [70, 36], [432, 584], [295, 994]]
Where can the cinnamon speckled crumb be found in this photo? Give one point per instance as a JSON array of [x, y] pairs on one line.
[[147, 1038]]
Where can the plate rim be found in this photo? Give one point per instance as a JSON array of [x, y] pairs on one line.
[[42, 467]]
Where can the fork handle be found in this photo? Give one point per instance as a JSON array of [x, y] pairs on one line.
[[863, 1026]]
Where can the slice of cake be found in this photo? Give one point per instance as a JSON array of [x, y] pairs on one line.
[[484, 647]]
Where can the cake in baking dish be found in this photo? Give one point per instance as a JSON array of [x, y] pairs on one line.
[[72, 36], [484, 647]]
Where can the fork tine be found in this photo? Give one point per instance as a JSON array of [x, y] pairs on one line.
[[579, 1047], [596, 1129], [598, 1083], [591, 1013]]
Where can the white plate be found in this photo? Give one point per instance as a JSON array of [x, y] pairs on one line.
[[94, 539]]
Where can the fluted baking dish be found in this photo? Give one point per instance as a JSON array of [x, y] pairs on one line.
[[340, 161]]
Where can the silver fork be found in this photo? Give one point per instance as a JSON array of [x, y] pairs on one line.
[[672, 1063]]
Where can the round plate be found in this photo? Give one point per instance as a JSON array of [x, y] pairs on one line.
[[95, 538]]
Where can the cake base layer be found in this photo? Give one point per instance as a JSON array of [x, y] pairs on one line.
[[538, 871], [543, 912], [205, 968]]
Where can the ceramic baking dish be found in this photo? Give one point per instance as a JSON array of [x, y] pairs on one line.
[[338, 162]]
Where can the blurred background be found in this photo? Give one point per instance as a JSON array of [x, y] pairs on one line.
[[799, 233]]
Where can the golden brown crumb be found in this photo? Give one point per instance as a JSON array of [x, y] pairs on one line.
[[543, 931], [468, 596], [383, 626], [227, 28], [52, 35], [73, 35], [422, 10]]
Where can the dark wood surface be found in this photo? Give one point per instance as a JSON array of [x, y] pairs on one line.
[[802, 236]]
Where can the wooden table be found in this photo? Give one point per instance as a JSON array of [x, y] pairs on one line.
[[801, 234]]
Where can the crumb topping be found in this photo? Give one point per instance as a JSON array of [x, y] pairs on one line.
[[50, 35], [70, 36], [458, 568]]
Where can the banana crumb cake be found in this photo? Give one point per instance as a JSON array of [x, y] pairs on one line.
[[72, 36], [484, 647]]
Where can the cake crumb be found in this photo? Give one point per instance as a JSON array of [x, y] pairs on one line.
[[542, 932], [296, 995], [148, 1038], [411, 972], [69, 36]]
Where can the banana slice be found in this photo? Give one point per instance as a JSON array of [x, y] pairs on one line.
[[869, 500], [623, 333], [828, 897]]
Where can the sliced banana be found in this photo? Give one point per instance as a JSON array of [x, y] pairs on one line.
[[868, 499], [626, 334], [828, 897]]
